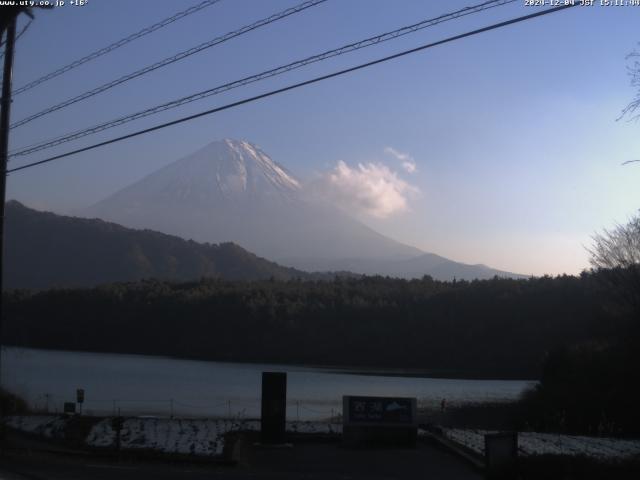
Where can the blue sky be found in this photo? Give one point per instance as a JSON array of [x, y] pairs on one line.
[[513, 133]]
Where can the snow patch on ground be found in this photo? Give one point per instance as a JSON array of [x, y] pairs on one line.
[[206, 437], [532, 443], [184, 436], [202, 437], [48, 426]]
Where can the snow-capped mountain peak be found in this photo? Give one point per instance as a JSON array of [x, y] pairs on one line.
[[243, 168], [232, 169], [230, 190]]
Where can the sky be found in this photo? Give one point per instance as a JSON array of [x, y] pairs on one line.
[[503, 148]]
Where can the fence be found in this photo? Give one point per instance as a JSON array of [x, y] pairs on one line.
[[329, 411], [237, 409]]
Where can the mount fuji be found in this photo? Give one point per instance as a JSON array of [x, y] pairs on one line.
[[231, 191]]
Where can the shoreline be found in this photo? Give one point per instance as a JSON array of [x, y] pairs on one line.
[[327, 368]]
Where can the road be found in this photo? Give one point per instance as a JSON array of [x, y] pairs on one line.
[[304, 461]]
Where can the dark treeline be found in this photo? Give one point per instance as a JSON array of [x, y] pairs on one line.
[[44, 250], [588, 389], [491, 328]]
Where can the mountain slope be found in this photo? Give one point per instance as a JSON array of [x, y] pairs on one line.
[[44, 250], [232, 191]]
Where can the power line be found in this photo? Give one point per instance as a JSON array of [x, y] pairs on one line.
[[297, 85], [116, 45], [260, 76], [24, 29], [167, 61]]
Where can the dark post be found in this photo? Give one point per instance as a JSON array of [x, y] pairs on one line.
[[274, 407], [501, 455], [116, 424], [80, 398], [4, 147]]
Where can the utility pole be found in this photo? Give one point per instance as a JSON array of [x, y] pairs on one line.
[[8, 19], [5, 106]]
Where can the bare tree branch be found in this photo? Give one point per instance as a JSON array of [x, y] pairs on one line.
[[615, 254], [634, 72]]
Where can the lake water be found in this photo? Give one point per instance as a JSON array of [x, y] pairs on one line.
[[145, 385]]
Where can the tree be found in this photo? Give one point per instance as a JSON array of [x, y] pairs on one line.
[[615, 255], [634, 73]]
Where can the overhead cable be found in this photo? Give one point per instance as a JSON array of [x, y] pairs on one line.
[[367, 42], [167, 61], [115, 45], [296, 85]]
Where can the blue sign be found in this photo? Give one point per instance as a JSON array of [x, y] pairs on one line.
[[379, 411]]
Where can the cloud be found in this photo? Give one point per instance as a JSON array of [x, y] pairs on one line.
[[370, 188], [408, 163]]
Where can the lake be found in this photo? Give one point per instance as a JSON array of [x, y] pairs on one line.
[[146, 385]]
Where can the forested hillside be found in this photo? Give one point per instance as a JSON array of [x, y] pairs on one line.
[[44, 250], [491, 328]]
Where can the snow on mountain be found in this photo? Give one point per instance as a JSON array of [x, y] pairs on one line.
[[230, 169], [231, 191]]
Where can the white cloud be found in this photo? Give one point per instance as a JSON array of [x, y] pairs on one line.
[[408, 162], [370, 188]]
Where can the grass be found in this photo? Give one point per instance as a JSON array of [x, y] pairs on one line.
[[481, 416], [12, 404]]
